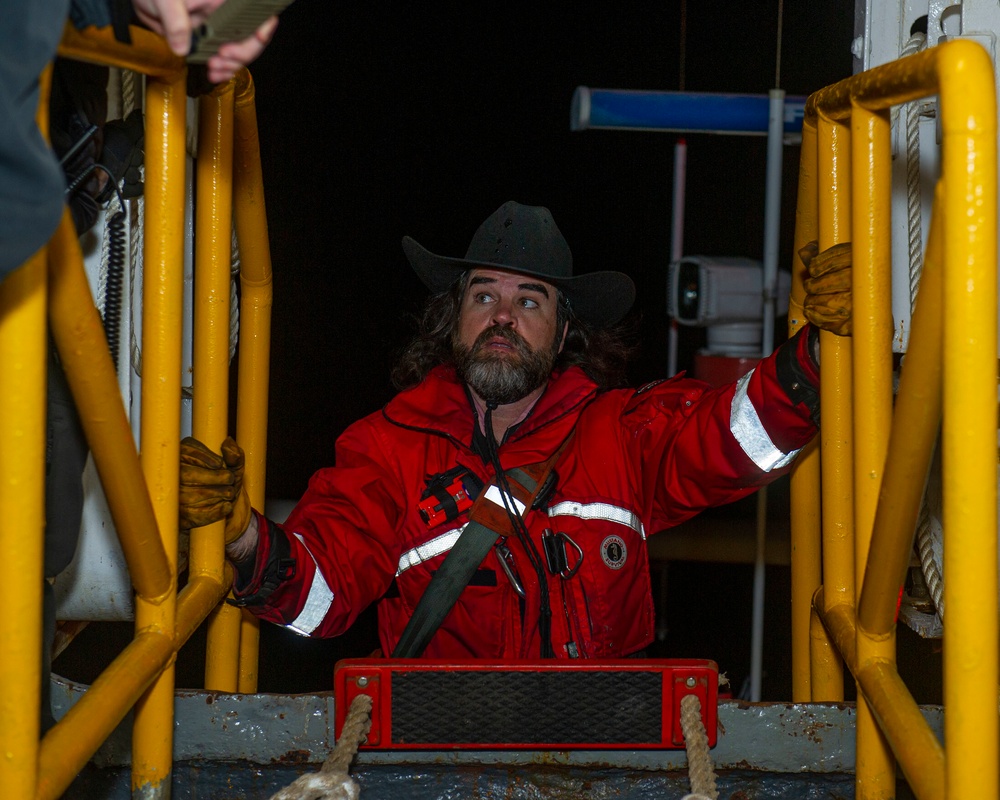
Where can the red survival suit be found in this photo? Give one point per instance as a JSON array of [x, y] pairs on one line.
[[640, 461]]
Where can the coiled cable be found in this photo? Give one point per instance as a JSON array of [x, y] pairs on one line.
[[117, 258]]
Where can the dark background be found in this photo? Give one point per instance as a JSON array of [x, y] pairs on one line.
[[382, 119]]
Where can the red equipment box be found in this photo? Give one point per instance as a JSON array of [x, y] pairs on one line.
[[564, 705]]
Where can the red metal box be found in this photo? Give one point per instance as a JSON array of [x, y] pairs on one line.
[[621, 704]]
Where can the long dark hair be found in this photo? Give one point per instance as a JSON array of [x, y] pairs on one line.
[[603, 353]]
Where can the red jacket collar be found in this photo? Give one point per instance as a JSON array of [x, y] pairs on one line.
[[440, 404]]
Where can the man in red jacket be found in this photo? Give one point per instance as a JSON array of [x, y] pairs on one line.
[[509, 431]]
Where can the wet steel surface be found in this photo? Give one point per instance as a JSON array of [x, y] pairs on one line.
[[249, 746], [228, 781]]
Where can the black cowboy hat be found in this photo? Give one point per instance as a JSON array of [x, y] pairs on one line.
[[525, 240]]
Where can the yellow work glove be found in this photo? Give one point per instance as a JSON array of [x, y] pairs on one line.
[[211, 487], [828, 303]]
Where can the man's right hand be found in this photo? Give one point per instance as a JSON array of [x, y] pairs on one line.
[[211, 487], [176, 19]]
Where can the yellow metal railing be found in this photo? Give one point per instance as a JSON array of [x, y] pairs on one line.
[[873, 457], [141, 487]]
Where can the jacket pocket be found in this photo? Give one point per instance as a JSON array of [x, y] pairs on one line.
[[610, 594]]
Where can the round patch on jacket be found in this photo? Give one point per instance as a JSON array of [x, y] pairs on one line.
[[614, 552]]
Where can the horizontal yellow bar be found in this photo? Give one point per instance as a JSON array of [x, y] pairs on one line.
[[148, 53], [879, 88]]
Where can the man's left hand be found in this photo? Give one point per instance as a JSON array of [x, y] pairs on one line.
[[828, 304]]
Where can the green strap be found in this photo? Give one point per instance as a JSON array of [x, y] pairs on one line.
[[447, 584], [457, 569], [463, 560]]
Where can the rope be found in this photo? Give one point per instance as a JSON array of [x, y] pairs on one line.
[[137, 233], [234, 301], [928, 563], [131, 85], [700, 767], [913, 206], [332, 781]]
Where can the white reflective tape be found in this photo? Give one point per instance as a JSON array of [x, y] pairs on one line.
[[494, 496], [746, 427], [427, 550], [317, 603], [601, 511]]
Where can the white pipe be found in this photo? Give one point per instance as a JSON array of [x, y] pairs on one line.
[[677, 238], [772, 214], [772, 224]]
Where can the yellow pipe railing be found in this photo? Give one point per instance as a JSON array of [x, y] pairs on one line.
[[148, 53], [90, 373], [963, 362], [911, 446], [162, 304], [872, 366], [920, 755], [67, 747], [806, 529], [212, 267], [255, 330], [836, 436], [143, 504], [969, 454], [22, 507]]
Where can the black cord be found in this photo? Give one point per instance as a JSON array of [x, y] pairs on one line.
[[113, 287], [521, 530]]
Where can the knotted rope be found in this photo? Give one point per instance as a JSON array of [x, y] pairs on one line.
[[700, 768], [332, 781]]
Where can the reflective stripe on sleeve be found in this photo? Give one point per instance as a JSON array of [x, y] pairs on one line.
[[427, 550], [746, 427], [602, 511], [317, 603]]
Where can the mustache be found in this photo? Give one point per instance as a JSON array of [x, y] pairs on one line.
[[501, 332]]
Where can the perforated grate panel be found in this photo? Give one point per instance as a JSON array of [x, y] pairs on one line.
[[470, 707]]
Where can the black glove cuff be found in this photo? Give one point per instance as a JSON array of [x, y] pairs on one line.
[[793, 377], [257, 578]]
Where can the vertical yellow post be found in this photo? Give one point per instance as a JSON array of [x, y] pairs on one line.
[[872, 294], [836, 436], [163, 254], [22, 508], [805, 477], [968, 119], [210, 416], [22, 501], [255, 329]]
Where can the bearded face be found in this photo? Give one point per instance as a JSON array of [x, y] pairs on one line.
[[506, 375]]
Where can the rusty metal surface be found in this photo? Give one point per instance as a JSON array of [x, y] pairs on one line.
[[246, 782], [296, 730]]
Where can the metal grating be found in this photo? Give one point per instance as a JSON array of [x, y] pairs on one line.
[[471, 707]]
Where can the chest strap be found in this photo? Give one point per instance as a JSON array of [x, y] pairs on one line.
[[488, 521]]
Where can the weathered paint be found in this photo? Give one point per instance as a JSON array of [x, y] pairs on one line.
[[261, 742]]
